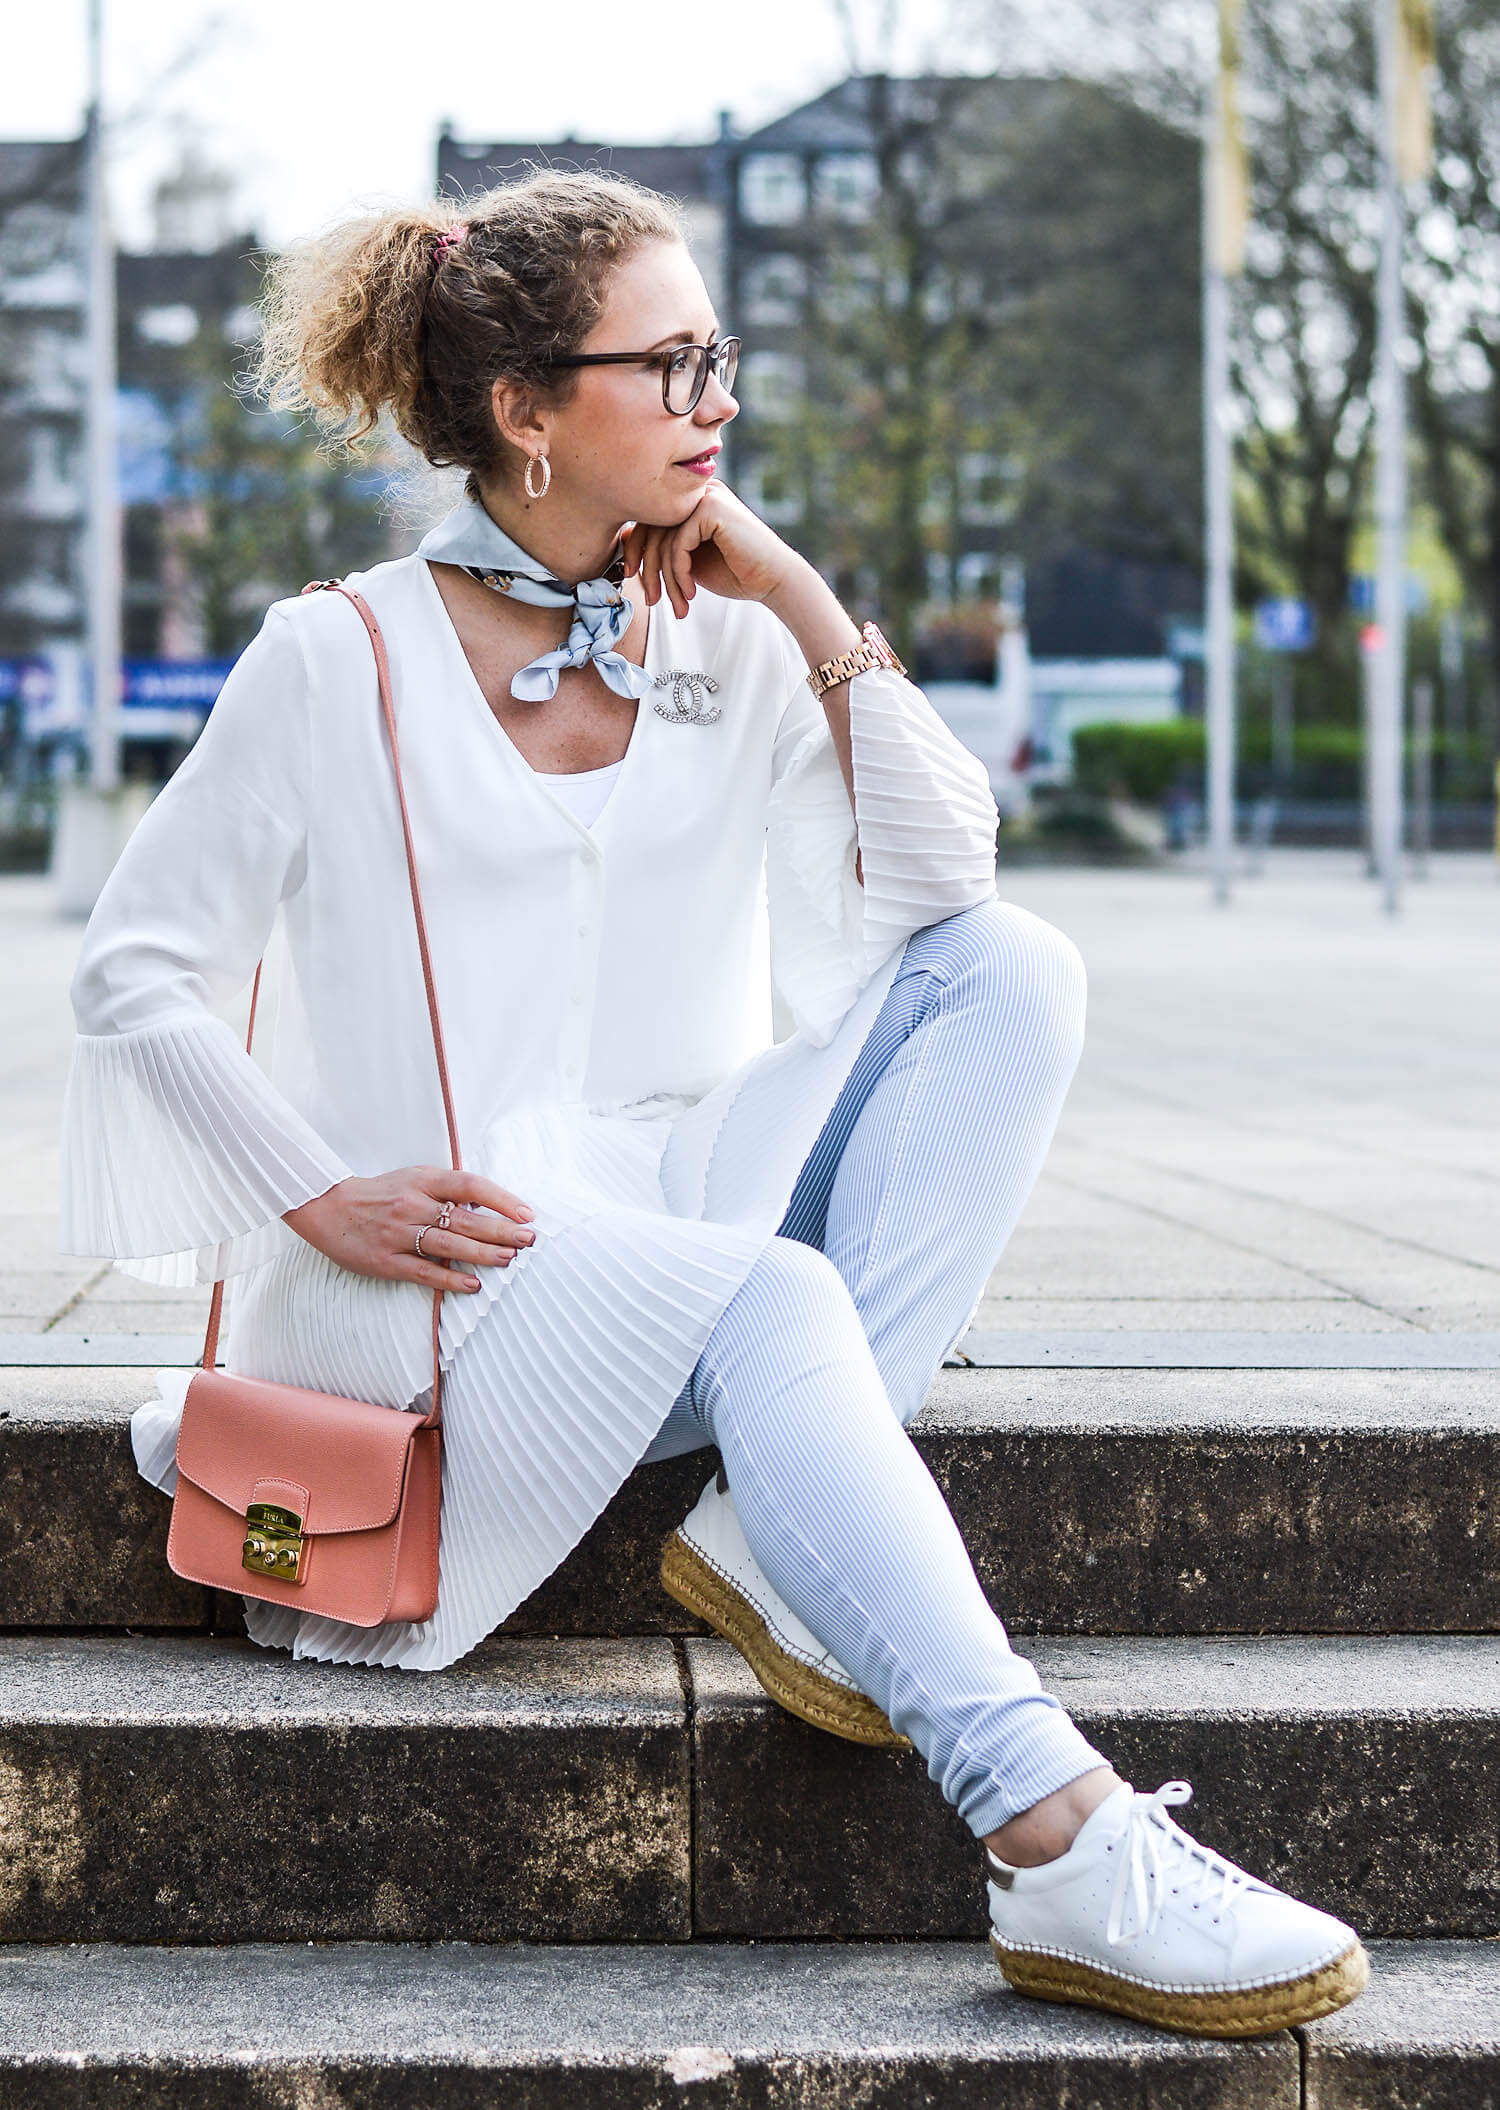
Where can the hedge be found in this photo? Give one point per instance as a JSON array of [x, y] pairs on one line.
[[1145, 762]]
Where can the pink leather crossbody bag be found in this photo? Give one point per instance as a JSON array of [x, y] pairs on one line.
[[308, 1499]]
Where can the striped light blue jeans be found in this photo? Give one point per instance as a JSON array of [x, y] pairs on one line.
[[819, 1361]]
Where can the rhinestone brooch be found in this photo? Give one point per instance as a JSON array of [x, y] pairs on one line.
[[686, 707]]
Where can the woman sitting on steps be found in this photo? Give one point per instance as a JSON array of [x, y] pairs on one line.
[[659, 783]]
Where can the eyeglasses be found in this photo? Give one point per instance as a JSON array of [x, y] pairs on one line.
[[684, 368]]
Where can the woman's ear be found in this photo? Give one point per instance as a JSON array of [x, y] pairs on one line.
[[517, 414]]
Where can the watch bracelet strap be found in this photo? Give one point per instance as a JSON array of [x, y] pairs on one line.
[[871, 651]]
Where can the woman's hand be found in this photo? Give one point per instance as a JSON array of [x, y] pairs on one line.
[[370, 1226], [721, 545]]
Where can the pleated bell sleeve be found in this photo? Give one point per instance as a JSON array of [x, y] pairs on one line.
[[178, 1154], [924, 824]]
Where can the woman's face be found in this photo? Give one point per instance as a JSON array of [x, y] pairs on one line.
[[615, 448]]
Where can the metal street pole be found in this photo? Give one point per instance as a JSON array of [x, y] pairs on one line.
[[1389, 668], [1421, 775], [1218, 647], [95, 813], [103, 483]]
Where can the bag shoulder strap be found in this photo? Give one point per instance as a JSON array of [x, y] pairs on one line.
[[366, 614]]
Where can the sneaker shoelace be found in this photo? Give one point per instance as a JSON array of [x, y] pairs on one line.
[[1156, 1857]]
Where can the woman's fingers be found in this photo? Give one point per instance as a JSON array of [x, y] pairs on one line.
[[410, 1268], [473, 1251], [651, 566], [473, 1189], [682, 566], [482, 1229]]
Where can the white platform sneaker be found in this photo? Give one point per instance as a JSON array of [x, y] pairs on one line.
[[1139, 1918], [708, 1567]]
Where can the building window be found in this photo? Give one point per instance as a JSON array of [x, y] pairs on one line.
[[56, 454], [174, 324], [51, 552], [850, 287], [770, 491], [144, 543], [989, 487], [770, 385], [977, 575], [775, 289], [773, 189], [845, 186], [32, 237]]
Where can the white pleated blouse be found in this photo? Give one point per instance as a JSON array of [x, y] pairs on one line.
[[648, 1017]]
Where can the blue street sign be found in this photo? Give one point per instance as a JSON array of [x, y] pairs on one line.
[[1362, 593], [1285, 626], [173, 684], [163, 699], [17, 676]]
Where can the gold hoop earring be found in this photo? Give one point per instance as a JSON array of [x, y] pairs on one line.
[[531, 463]]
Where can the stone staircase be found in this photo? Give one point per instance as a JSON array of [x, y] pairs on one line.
[[592, 1864]]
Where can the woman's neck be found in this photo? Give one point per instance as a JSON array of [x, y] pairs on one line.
[[571, 548]]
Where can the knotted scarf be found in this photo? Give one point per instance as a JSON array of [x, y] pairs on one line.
[[602, 611]]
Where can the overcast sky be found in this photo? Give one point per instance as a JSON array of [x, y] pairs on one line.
[[321, 103]]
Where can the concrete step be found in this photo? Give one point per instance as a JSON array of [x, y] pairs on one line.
[[729, 2026], [1424, 2034], [1356, 1773], [724, 2026], [204, 1789], [1093, 1501], [606, 1790]]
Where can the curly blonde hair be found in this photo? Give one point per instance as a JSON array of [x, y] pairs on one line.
[[379, 314]]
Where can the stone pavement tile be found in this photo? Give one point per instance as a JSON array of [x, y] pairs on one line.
[[1126, 1253], [39, 1295], [1188, 1315], [28, 1243], [119, 1288], [1442, 1315], [1433, 1206], [127, 1315], [28, 1158], [1345, 1257]]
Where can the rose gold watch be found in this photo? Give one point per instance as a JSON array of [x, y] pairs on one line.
[[872, 652]]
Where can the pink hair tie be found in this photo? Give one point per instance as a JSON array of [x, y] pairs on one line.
[[448, 241]]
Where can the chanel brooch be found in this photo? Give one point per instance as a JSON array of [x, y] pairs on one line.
[[686, 707]]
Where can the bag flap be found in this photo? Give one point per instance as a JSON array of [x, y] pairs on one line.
[[239, 1431]]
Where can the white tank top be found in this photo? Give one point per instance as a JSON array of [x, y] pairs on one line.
[[585, 790]]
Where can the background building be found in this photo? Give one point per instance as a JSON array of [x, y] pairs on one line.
[[42, 393], [692, 174]]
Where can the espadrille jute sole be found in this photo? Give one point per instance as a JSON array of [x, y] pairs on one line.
[[796, 1686], [1253, 2013]]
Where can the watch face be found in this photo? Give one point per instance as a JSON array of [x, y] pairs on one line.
[[881, 649]]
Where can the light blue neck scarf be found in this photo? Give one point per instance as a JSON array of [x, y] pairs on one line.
[[602, 612]]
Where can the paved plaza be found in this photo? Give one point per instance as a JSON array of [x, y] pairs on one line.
[[1285, 1126]]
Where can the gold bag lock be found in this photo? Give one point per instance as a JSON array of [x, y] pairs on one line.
[[273, 1541]]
